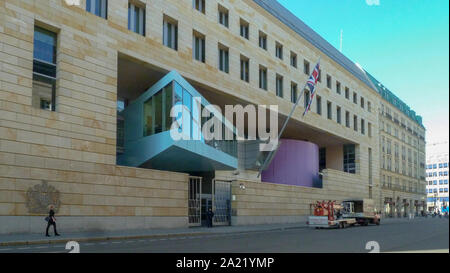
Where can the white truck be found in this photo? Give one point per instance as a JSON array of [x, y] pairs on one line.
[[348, 213]]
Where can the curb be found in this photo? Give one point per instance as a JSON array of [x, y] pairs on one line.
[[111, 238]]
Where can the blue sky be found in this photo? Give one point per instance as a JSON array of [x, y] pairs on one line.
[[403, 43]]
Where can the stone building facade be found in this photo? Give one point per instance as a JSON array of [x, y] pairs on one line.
[[67, 71]]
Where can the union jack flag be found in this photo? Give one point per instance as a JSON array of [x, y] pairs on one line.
[[311, 83]]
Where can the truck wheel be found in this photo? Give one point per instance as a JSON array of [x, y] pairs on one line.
[[341, 225], [365, 223], [378, 222]]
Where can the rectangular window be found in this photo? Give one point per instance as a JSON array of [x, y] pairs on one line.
[[262, 40], [224, 59], [338, 114], [306, 94], [98, 7], [170, 33], [279, 51], [355, 98], [293, 59], [322, 159], [329, 111], [349, 158], [279, 86], [347, 93], [198, 46], [244, 29], [44, 69], [319, 105], [347, 119], [369, 127], [329, 81], [362, 102], [245, 69], [306, 67], [294, 93], [338, 87], [363, 127], [199, 5], [136, 19], [320, 76], [355, 123], [223, 16], [263, 77]]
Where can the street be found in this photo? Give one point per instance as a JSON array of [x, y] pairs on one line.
[[420, 235]]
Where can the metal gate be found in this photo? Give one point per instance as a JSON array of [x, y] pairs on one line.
[[194, 201], [222, 202]]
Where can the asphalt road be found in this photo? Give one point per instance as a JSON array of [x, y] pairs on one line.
[[424, 235]]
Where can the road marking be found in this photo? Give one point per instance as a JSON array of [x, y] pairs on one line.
[[116, 242], [23, 248], [40, 247], [5, 249], [90, 244]]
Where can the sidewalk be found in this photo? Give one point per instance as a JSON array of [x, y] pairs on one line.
[[33, 239]]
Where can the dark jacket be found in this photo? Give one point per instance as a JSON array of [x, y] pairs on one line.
[[51, 215]]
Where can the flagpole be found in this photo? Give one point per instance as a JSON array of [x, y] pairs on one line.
[[286, 121]]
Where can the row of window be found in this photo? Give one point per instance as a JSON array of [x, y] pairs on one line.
[[387, 181], [436, 174], [386, 111], [441, 190], [435, 166], [441, 182], [136, 23]]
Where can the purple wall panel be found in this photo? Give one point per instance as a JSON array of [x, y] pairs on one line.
[[296, 163]]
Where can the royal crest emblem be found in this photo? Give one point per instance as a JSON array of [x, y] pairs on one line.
[[40, 196]]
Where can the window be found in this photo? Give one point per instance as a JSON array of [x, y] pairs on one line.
[[349, 158], [279, 51], [157, 111], [224, 64], [199, 5], [355, 98], [279, 86], [98, 7], [363, 127], [294, 94], [223, 16], [245, 67], [244, 29], [293, 59], [362, 102], [347, 93], [347, 119], [322, 159], [319, 105], [320, 76], [369, 106], [329, 113], [170, 33], [44, 69], [198, 46], [338, 87], [262, 40], [338, 114], [306, 67], [263, 77], [307, 98], [136, 19], [369, 128], [355, 123], [329, 81]]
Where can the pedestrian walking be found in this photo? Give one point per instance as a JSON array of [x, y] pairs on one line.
[[51, 221], [210, 217]]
